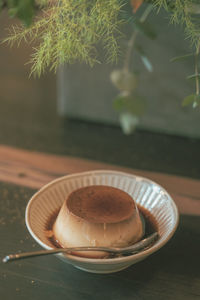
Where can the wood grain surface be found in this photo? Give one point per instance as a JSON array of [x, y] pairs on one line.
[[172, 273], [34, 169]]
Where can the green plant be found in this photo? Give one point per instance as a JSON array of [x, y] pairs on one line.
[[72, 30], [186, 13], [129, 103], [66, 25]]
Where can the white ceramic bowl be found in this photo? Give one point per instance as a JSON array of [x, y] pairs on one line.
[[144, 191]]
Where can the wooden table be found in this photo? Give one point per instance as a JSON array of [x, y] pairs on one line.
[[171, 273]]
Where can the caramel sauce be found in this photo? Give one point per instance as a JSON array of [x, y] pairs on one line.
[[150, 225], [49, 227]]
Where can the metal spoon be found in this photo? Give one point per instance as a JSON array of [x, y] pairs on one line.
[[127, 250]]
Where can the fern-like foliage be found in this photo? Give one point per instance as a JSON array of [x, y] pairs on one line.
[[72, 30], [69, 31], [186, 13]]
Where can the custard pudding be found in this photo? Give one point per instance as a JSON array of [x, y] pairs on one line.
[[98, 216]]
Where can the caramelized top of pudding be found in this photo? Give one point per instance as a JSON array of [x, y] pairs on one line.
[[101, 204]]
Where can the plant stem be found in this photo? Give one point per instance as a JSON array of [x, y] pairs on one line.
[[131, 42], [146, 13], [196, 69]]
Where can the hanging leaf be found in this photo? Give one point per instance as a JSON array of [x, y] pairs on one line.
[[124, 80], [1, 4], [24, 10], [194, 105], [188, 100], [133, 104], [128, 122], [192, 99], [140, 49], [136, 4], [145, 28], [182, 57], [144, 58], [147, 63], [194, 76]]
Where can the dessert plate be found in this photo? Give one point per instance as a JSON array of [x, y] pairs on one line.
[[148, 194]]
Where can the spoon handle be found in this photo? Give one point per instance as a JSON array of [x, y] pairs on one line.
[[17, 256], [128, 250]]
